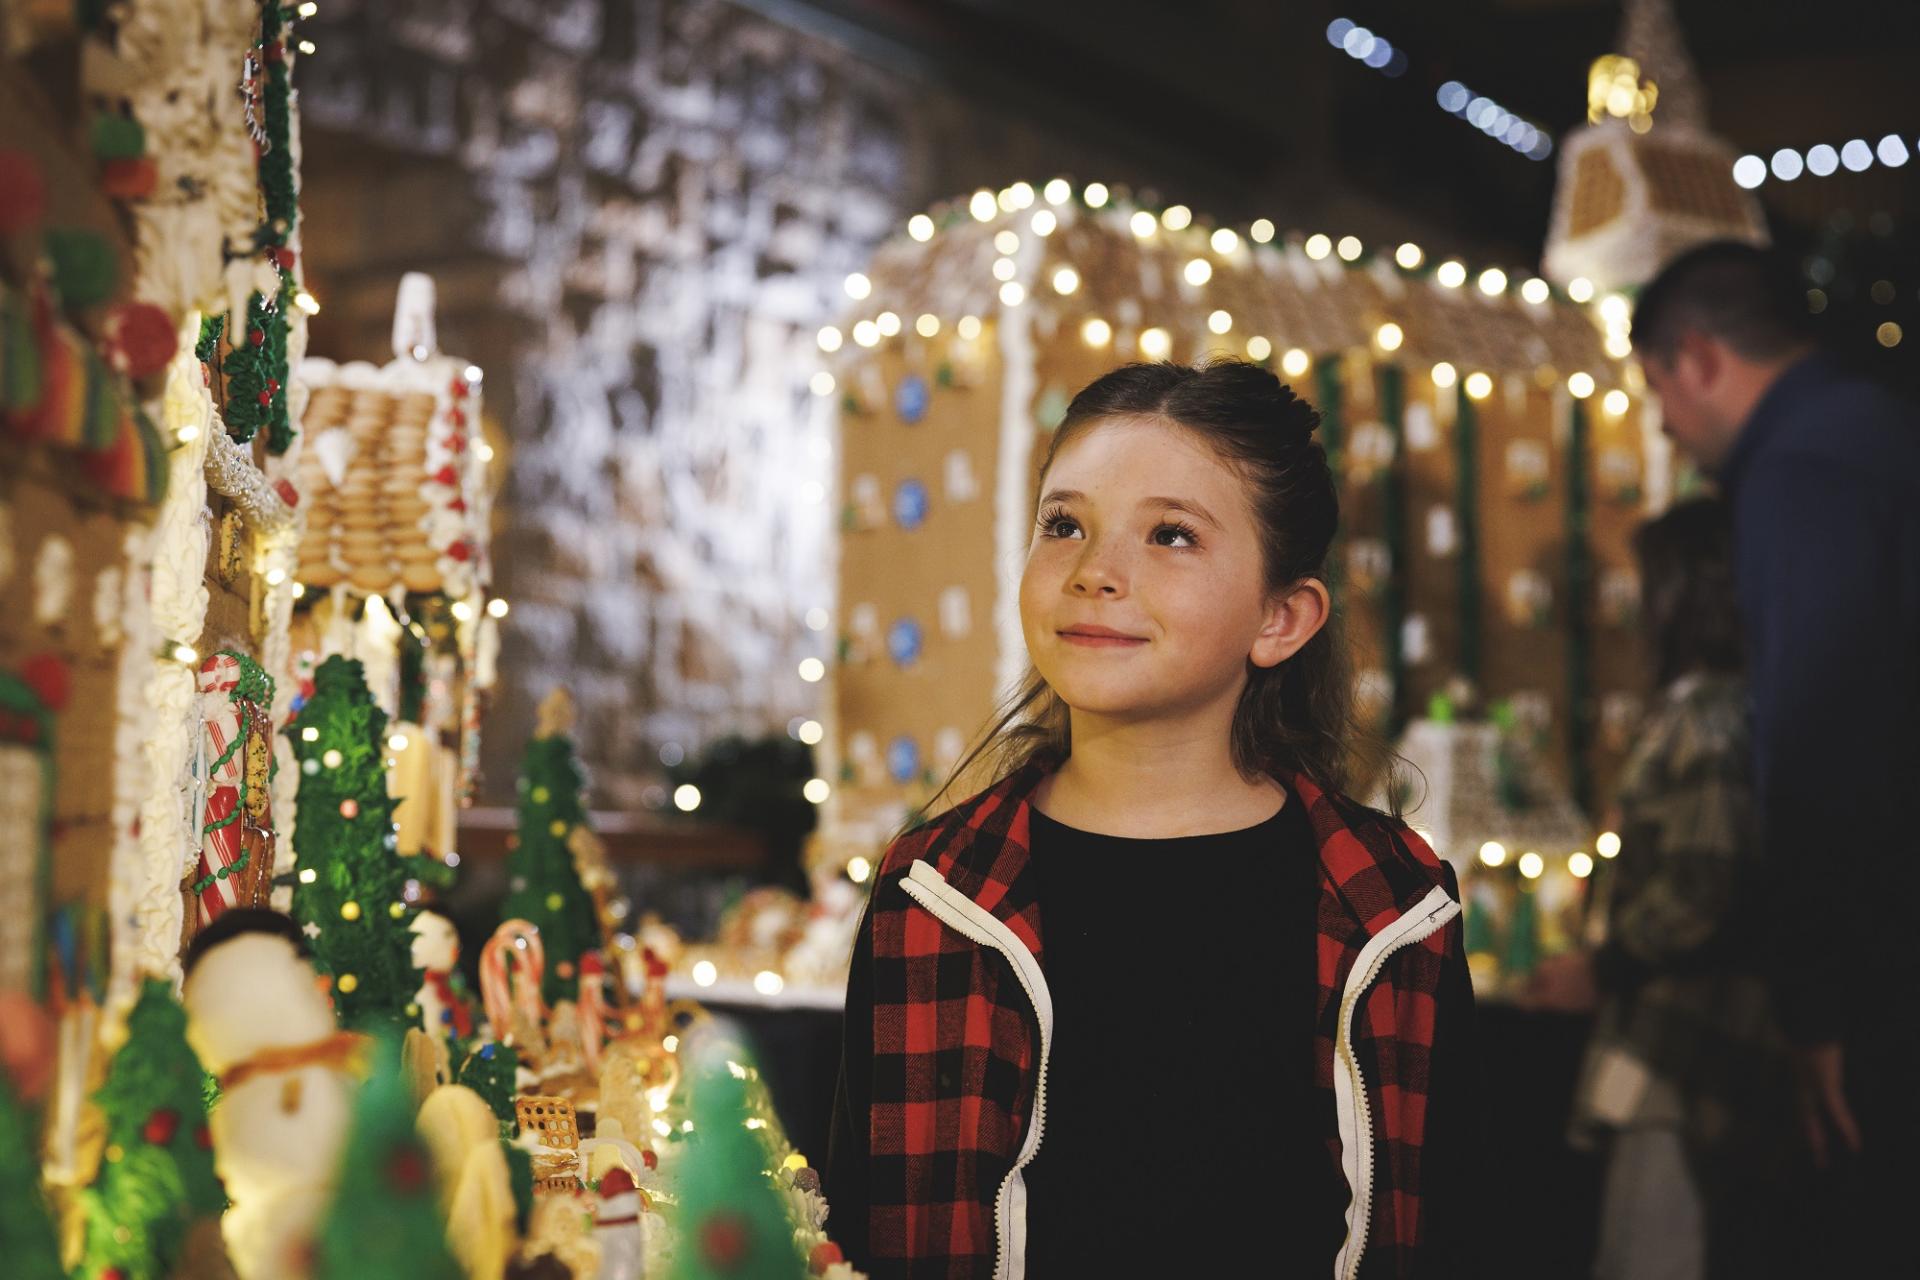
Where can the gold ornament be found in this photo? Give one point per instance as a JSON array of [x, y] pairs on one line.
[[348, 984], [397, 910], [349, 911]]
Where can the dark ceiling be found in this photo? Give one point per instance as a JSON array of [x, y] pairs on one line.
[[1244, 108]]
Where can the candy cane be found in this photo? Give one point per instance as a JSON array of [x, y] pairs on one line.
[[520, 940]]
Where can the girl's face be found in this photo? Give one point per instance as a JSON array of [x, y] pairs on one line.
[[1144, 593]]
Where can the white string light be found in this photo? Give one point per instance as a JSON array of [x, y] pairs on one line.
[[1494, 120], [1821, 160]]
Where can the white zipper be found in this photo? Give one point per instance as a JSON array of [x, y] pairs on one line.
[[1350, 1102], [957, 911]]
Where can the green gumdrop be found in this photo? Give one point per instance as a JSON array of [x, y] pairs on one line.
[[84, 268], [118, 138]]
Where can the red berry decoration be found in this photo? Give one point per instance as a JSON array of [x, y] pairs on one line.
[[203, 1138], [457, 417], [457, 442], [265, 398], [23, 193], [824, 1255], [50, 679], [459, 389], [288, 494], [161, 1126], [724, 1241], [647, 1156], [273, 385], [275, 53], [406, 1170], [446, 475], [258, 337], [460, 551], [458, 504], [285, 258]]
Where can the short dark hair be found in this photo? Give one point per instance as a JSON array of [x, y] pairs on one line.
[[1688, 608], [1749, 298]]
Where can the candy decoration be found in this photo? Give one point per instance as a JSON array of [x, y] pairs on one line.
[[84, 269], [161, 1126], [824, 1255], [140, 340], [130, 179], [594, 1008], [236, 835], [118, 137], [515, 942]]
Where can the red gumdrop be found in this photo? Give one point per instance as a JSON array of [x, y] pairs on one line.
[[724, 1240], [161, 1126], [824, 1255], [50, 678], [141, 337]]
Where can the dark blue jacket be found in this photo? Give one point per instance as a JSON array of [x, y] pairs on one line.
[[1825, 487]]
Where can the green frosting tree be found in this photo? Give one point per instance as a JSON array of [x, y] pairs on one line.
[[733, 1224], [32, 1252], [156, 1177], [543, 885], [348, 895], [385, 1220]]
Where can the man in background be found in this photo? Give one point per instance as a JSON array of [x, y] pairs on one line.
[[1822, 470]]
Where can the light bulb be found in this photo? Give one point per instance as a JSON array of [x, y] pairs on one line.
[[821, 384], [1444, 375], [1451, 273], [1198, 271], [1493, 853], [858, 869], [1013, 293], [816, 791], [1580, 865], [1007, 241], [983, 206], [1318, 246], [1295, 362], [1258, 348], [1614, 402], [1479, 386], [920, 227], [888, 323], [704, 975], [812, 670], [1607, 845], [1176, 218], [1220, 322], [1155, 343], [1143, 224], [1389, 336], [1095, 195], [1348, 248], [1493, 282], [811, 732], [829, 339], [927, 325], [968, 328], [1535, 291], [1262, 230], [1096, 332], [1580, 385], [1058, 191], [1225, 240], [858, 286], [1531, 865], [1066, 280], [1580, 289], [1043, 222], [1409, 255], [686, 797]]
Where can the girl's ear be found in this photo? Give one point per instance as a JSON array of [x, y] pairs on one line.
[[1293, 617]]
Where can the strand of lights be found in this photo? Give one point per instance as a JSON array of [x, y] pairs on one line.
[[1363, 45], [1494, 120], [1786, 164]]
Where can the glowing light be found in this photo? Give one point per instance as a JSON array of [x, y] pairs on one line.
[[1493, 853], [1262, 230], [308, 9], [1348, 248], [1822, 160], [968, 328], [1531, 865], [1295, 362], [276, 576], [485, 451], [187, 434], [1155, 343], [1007, 200], [1892, 151], [920, 227], [1225, 240], [1143, 224], [1888, 334], [462, 611], [829, 339], [1580, 289], [1479, 386], [672, 1043], [299, 590], [821, 384], [866, 333], [1857, 156], [1022, 193], [858, 869], [1749, 172], [1580, 385], [768, 983], [1607, 845], [1258, 348], [811, 732], [1005, 268], [1318, 246], [1444, 375], [184, 653], [1095, 195], [1615, 402], [927, 325], [1058, 191], [1451, 273], [306, 46], [858, 286], [332, 758], [817, 619], [1493, 282], [1007, 242], [1198, 271], [1220, 322], [816, 791], [1409, 255], [1535, 291], [1388, 336], [1043, 222], [1177, 217], [1614, 308], [686, 797], [307, 302], [309, 734], [1580, 865], [704, 973], [812, 670], [1013, 293], [308, 875], [1096, 332], [888, 323], [398, 742], [982, 206], [1066, 280]]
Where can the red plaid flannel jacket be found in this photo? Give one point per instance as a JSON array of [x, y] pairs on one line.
[[961, 1019]]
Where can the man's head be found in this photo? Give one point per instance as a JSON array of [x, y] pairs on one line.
[[1712, 331]]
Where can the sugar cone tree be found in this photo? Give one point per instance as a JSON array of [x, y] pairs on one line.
[[156, 1176], [543, 882], [733, 1225], [385, 1220], [348, 894]]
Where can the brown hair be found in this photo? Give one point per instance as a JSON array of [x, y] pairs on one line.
[[1296, 717], [1689, 614]]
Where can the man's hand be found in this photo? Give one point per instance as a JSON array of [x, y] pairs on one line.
[[1563, 984], [1817, 1070]]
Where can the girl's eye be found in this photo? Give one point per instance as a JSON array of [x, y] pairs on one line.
[[1176, 529], [1053, 519]]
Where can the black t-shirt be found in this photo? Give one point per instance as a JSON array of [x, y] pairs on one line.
[[1183, 1130]]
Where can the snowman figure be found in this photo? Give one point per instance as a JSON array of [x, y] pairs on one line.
[[436, 950], [259, 1022], [620, 1228]]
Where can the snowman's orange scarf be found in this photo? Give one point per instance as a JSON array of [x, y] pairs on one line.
[[341, 1051]]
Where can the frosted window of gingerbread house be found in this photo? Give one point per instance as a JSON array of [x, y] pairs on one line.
[[1599, 194], [1689, 183]]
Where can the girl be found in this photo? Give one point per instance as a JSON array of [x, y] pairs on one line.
[[1161, 998]]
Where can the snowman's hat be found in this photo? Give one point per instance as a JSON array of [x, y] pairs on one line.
[[233, 923], [616, 1182]]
